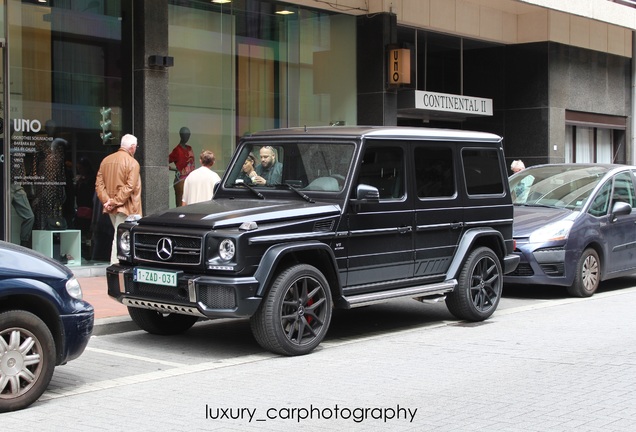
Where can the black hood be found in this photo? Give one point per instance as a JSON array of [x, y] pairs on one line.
[[233, 212]]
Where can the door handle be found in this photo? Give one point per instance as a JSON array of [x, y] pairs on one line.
[[405, 229]]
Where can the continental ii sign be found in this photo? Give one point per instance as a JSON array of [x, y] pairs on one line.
[[424, 104], [459, 104]]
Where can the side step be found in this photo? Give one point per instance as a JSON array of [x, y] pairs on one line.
[[424, 291]]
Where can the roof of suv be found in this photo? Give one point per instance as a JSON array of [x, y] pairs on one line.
[[382, 132]]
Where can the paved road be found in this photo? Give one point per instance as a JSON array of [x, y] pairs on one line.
[[543, 362]]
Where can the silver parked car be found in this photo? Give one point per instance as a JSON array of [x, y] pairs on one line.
[[574, 225]]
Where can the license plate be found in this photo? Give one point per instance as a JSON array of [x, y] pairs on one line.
[[155, 277]]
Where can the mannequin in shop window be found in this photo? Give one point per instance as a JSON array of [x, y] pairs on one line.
[[182, 157], [84, 191], [50, 181], [20, 200]]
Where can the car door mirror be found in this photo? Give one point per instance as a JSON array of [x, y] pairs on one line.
[[366, 193], [620, 208]]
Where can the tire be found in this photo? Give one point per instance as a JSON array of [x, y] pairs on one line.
[[588, 274], [295, 315], [27, 359], [479, 287], [161, 324]]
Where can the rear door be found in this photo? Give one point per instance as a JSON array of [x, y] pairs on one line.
[[485, 188], [439, 213]]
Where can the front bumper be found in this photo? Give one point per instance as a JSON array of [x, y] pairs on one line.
[[541, 266], [78, 328], [198, 295], [510, 263]]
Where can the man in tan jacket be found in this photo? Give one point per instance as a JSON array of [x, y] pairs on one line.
[[118, 186]]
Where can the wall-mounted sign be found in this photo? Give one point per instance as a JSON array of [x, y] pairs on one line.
[[452, 103], [399, 66]]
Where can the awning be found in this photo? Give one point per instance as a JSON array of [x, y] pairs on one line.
[[595, 120]]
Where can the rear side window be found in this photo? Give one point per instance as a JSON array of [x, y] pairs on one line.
[[482, 171], [434, 172]]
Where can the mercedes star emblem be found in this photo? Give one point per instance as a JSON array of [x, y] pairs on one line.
[[164, 248]]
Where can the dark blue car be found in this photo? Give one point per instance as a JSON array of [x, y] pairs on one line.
[[574, 225], [43, 323]]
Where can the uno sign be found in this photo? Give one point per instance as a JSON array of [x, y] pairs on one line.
[[400, 66]]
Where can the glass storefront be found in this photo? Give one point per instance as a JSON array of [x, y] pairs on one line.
[[238, 67], [65, 71], [242, 66]]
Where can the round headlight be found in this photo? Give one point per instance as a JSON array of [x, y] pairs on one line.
[[124, 242], [227, 250]]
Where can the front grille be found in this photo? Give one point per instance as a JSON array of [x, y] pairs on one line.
[[523, 269], [186, 249], [217, 297]]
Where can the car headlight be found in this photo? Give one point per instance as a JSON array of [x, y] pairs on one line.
[[73, 288], [552, 232], [227, 249], [124, 242]]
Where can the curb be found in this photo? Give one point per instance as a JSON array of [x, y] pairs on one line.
[[113, 325], [89, 271]]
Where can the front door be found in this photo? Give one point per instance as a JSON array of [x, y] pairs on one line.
[[380, 234], [620, 232]]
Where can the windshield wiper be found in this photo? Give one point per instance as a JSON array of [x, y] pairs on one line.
[[302, 195], [537, 205], [250, 187]]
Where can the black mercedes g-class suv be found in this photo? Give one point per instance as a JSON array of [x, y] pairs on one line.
[[346, 216]]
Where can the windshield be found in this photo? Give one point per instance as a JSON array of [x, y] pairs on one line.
[[555, 185], [304, 165]]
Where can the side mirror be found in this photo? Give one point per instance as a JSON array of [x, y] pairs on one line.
[[620, 208], [366, 194]]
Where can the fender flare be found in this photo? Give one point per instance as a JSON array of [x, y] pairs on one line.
[[275, 254], [466, 244], [39, 292]]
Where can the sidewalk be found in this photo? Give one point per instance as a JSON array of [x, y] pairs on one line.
[[110, 315], [96, 293]]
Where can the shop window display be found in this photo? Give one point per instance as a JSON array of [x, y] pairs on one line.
[[61, 77]]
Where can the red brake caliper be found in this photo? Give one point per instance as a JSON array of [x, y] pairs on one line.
[[309, 303]]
